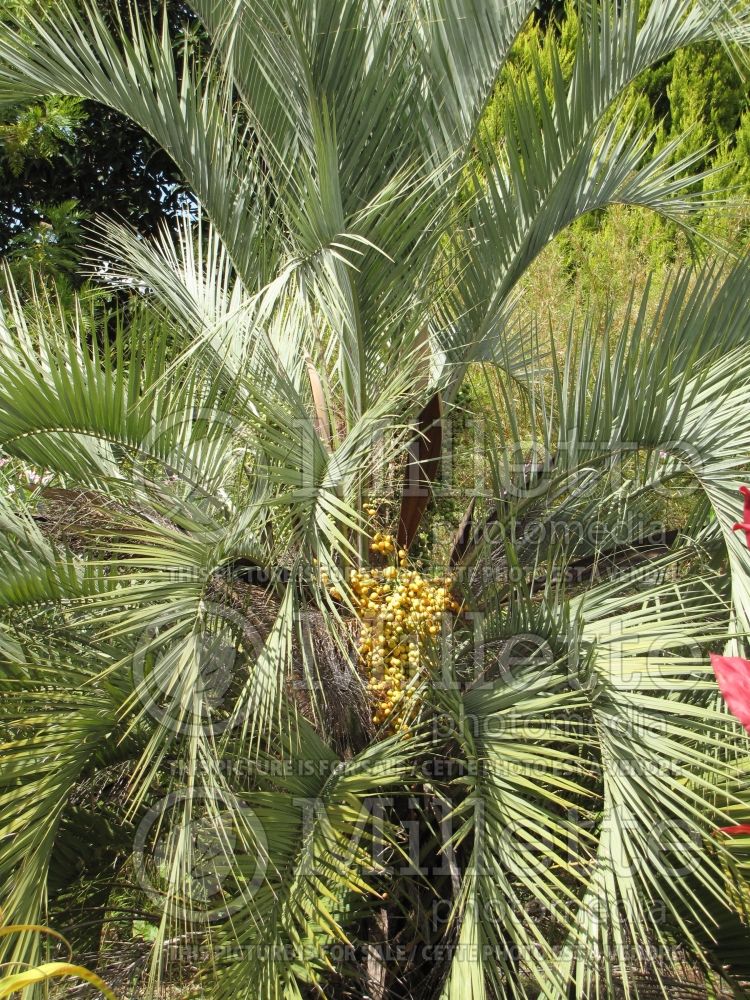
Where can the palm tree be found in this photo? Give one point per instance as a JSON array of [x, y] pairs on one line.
[[237, 705]]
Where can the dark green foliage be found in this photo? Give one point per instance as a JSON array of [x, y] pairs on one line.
[[64, 160], [106, 165]]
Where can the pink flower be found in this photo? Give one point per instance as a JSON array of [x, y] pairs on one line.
[[35, 479], [733, 677], [744, 524]]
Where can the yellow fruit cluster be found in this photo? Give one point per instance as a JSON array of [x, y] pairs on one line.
[[333, 591], [384, 545], [401, 612]]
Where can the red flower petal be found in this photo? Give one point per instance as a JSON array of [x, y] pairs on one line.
[[733, 677], [735, 831]]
